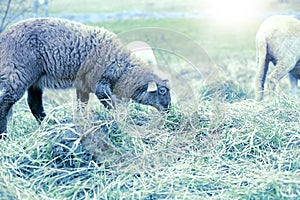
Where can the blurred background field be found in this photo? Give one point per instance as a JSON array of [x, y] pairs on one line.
[[216, 142], [224, 29]]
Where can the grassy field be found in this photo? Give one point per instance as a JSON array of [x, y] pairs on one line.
[[104, 6], [216, 142]]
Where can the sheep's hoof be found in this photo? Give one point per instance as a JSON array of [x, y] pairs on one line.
[[3, 136], [259, 97], [108, 104]]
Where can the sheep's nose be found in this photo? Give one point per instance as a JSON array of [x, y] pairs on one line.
[[161, 108], [167, 108]]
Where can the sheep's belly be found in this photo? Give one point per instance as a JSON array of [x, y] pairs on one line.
[[56, 83]]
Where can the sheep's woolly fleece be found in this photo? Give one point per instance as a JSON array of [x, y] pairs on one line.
[[278, 41], [58, 53], [66, 51]]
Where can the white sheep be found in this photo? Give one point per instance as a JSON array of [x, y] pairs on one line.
[[278, 41]]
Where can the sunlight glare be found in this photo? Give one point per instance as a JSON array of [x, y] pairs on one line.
[[232, 11]]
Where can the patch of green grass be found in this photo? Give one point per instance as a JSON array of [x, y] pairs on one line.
[[222, 150], [226, 91], [216, 40], [104, 6]]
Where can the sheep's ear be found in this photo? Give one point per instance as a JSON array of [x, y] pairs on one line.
[[152, 87], [166, 81]]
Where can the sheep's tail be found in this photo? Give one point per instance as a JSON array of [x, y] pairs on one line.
[[262, 65]]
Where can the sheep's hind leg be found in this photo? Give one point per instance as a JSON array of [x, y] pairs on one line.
[[280, 71], [104, 94], [35, 102], [263, 66], [7, 100], [5, 108], [262, 59]]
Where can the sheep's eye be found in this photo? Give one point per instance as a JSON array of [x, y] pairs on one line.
[[162, 91]]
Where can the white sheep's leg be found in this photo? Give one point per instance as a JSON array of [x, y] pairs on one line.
[[104, 94], [280, 71], [35, 102], [263, 66], [294, 85]]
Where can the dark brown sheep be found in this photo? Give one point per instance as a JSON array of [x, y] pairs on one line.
[[57, 53]]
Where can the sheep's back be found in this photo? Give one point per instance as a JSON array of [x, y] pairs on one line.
[[282, 36], [54, 46], [65, 53]]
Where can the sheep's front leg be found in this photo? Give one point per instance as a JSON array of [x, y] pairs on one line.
[[294, 85], [104, 94], [80, 105], [35, 102], [82, 99]]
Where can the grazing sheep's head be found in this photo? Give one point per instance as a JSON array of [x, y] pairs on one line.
[[154, 94]]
